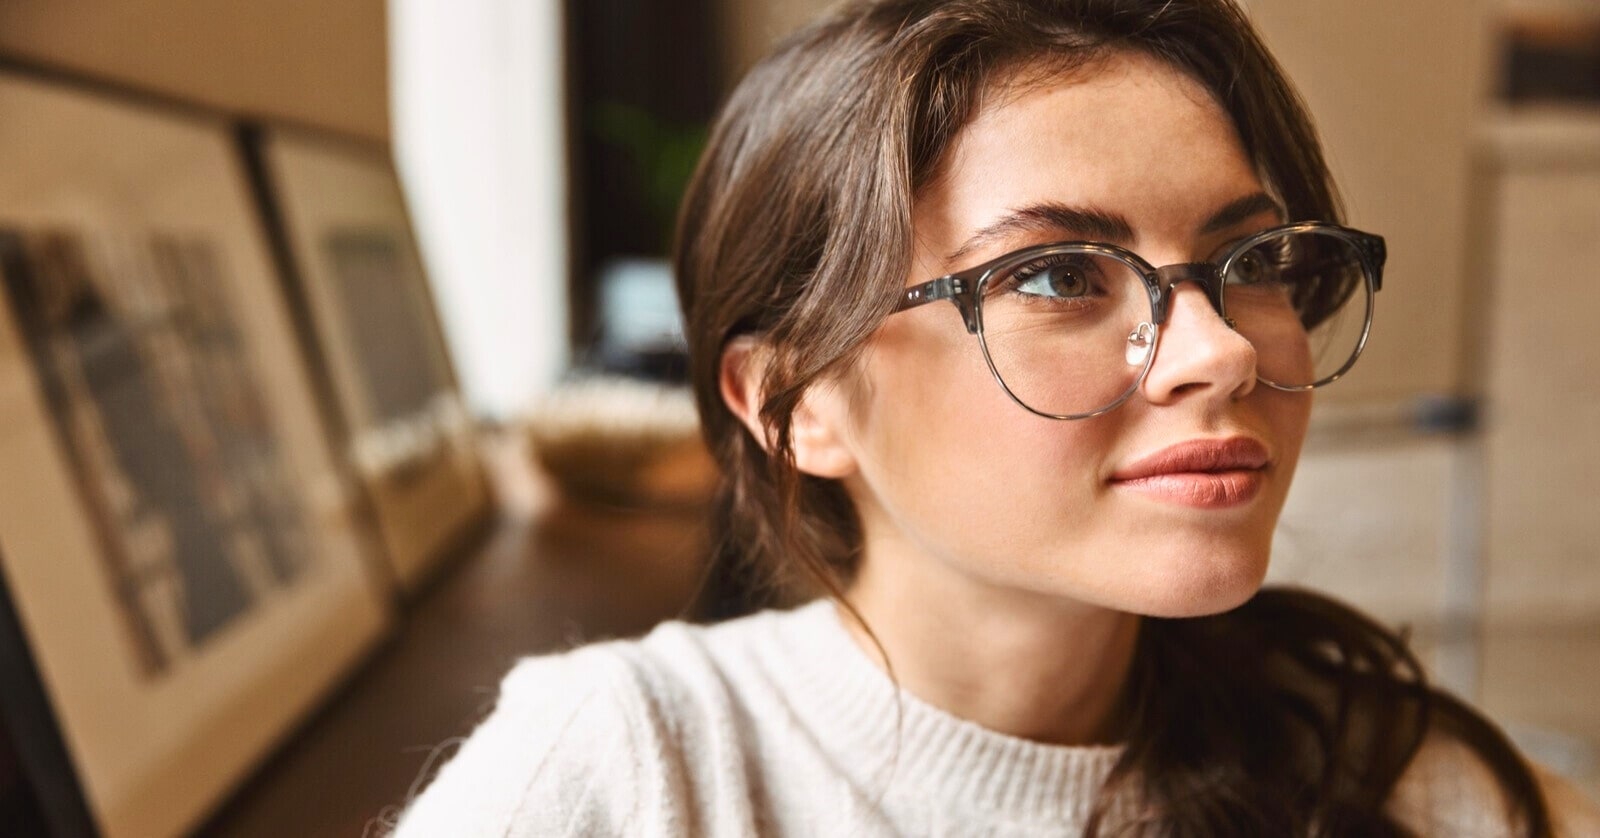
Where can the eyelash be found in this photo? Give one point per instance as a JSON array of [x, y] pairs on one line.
[[1025, 272], [1031, 269]]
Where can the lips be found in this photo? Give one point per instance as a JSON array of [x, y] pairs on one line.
[[1205, 473], [1201, 455]]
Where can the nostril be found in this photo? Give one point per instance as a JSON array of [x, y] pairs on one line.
[[1196, 356]]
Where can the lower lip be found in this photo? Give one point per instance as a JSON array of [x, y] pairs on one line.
[[1200, 489]]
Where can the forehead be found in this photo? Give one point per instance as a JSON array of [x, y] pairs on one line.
[[1125, 133]]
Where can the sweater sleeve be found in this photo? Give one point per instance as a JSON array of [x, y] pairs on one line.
[[555, 758], [1448, 790]]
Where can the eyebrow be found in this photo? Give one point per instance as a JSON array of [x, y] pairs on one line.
[[1243, 210], [1098, 225], [1049, 216]]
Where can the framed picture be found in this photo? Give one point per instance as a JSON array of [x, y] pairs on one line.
[[179, 541], [1550, 56], [373, 322]]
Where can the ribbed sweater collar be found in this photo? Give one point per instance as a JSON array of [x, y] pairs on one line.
[[851, 704]]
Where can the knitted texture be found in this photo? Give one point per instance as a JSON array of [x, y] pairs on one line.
[[778, 724]]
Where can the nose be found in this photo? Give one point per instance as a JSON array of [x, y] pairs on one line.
[[1198, 353]]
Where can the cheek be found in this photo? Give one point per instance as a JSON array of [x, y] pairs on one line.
[[930, 407], [956, 464], [1287, 415]]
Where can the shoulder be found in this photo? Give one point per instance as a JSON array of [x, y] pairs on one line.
[[559, 723], [596, 739], [1449, 789]]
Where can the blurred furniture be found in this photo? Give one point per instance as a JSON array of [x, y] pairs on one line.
[[1540, 172]]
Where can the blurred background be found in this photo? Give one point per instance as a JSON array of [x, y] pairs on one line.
[[340, 367]]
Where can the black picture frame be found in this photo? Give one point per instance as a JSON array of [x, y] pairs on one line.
[[353, 274]]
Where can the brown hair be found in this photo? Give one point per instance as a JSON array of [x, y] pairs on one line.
[[1289, 715]]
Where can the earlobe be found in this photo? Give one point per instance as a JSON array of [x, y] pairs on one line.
[[817, 426]]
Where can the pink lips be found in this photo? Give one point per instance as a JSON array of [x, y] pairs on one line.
[[1202, 473]]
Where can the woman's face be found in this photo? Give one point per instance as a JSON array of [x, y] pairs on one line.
[[1164, 506]]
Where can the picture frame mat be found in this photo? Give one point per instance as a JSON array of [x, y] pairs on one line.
[[157, 755]]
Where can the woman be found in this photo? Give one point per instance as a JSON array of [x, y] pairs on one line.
[[1004, 316]]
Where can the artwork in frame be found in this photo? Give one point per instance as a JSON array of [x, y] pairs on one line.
[[372, 319], [181, 547]]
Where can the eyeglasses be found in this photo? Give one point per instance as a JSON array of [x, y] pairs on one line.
[[1070, 330]]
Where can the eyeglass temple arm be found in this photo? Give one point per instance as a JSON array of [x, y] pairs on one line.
[[943, 288], [952, 288]]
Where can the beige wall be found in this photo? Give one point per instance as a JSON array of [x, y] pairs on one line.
[[320, 62], [1395, 89], [1543, 369], [751, 27], [1541, 658]]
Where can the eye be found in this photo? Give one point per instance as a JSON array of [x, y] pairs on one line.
[[1060, 277], [1263, 264]]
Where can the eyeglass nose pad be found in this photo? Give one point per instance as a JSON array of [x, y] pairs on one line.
[[1140, 341]]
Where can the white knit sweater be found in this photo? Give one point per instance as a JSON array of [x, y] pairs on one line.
[[777, 724]]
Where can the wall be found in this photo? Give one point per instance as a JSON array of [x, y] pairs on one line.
[[1542, 193], [480, 142], [312, 61], [750, 29], [1395, 88]]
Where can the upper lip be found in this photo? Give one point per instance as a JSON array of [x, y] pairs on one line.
[[1199, 455]]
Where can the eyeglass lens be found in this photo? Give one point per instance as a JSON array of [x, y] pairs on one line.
[[1070, 332]]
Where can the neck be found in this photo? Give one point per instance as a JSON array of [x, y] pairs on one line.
[[1018, 663]]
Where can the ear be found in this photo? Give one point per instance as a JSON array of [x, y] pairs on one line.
[[817, 428]]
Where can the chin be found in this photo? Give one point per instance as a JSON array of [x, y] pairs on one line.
[[1215, 584]]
